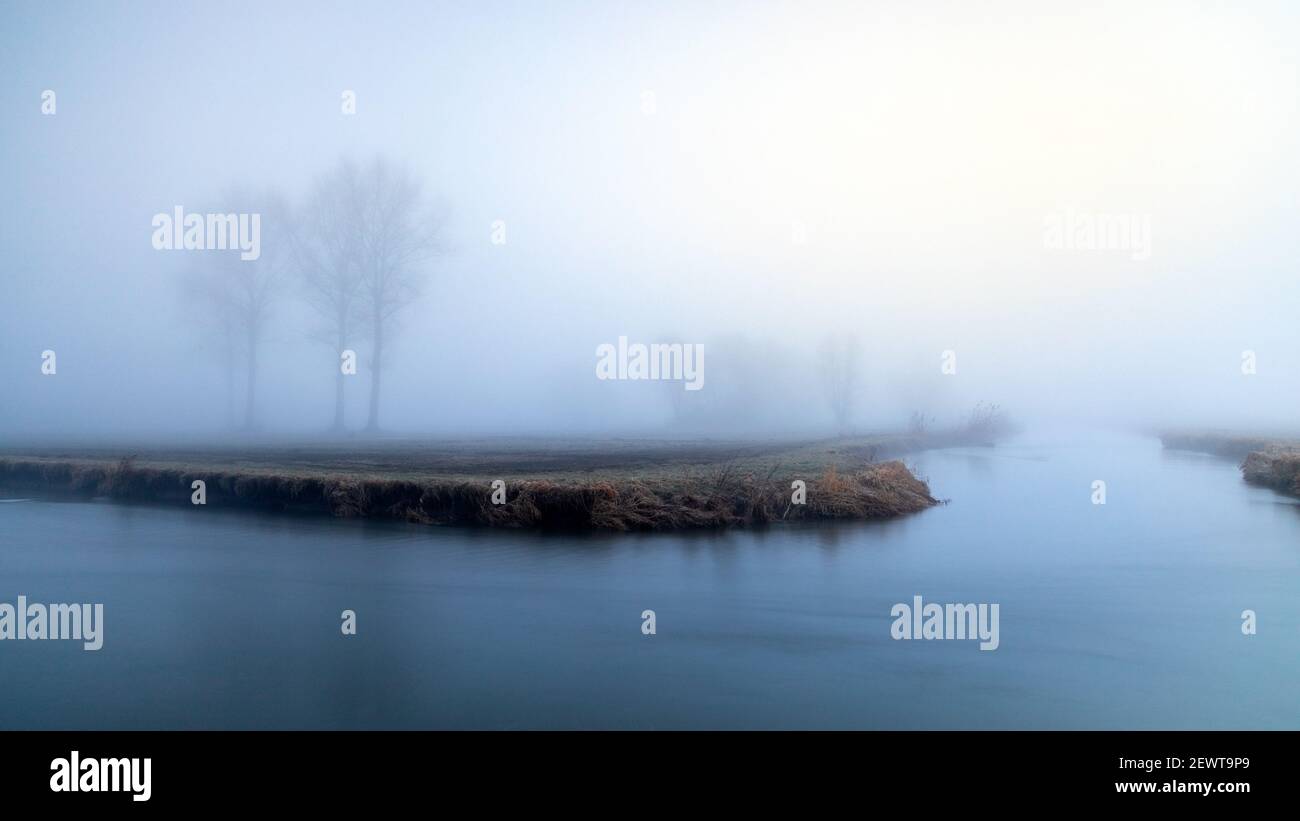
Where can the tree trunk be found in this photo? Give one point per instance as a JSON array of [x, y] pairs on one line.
[[228, 371], [250, 403], [339, 376], [230, 382], [376, 369], [338, 397]]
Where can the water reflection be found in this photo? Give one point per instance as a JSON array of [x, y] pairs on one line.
[[1118, 615]]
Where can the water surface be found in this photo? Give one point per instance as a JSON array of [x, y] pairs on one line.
[[1123, 615]]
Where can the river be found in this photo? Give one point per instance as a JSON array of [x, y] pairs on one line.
[[1126, 614]]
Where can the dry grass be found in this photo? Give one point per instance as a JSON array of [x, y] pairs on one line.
[[1278, 468], [744, 491], [1269, 461], [1227, 445]]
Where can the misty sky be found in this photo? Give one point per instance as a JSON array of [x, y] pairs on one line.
[[748, 176]]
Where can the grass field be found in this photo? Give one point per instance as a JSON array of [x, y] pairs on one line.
[[619, 484]]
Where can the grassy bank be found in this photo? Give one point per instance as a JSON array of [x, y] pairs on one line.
[[1279, 470], [615, 485], [1268, 461]]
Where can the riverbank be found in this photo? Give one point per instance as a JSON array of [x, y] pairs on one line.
[[467, 628], [569, 484], [1272, 462]]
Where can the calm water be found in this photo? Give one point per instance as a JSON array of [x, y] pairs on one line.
[[1114, 616]]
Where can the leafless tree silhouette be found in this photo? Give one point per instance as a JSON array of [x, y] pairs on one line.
[[235, 298], [328, 250], [840, 358], [398, 235]]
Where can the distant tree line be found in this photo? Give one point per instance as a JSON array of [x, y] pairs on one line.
[[356, 248]]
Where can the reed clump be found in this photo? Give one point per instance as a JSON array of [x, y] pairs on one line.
[[727, 497], [1278, 468]]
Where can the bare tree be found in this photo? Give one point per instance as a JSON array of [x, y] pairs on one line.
[[987, 422], [208, 307], [674, 391], [237, 295], [328, 256], [398, 235], [840, 358]]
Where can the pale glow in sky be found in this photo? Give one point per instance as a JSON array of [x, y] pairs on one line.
[[879, 168]]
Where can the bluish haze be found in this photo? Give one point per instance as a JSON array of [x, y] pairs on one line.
[[751, 177]]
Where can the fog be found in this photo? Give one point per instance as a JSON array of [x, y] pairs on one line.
[[1084, 213]]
